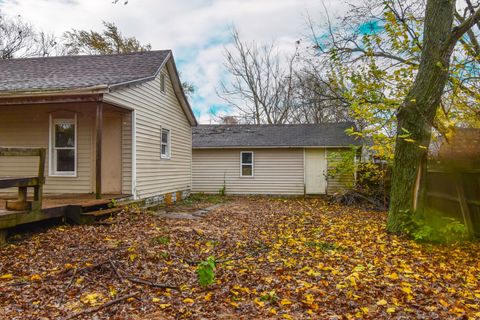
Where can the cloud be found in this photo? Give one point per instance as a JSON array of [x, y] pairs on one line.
[[196, 30]]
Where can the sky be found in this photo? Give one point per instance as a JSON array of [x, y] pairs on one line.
[[198, 31]]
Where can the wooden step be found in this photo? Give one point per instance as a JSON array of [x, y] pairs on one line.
[[102, 212]]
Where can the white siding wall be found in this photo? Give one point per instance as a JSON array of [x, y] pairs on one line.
[[27, 126], [127, 153], [276, 171], [155, 109]]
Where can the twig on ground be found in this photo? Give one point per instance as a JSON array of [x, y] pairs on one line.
[[105, 305], [115, 269], [152, 284], [68, 286]]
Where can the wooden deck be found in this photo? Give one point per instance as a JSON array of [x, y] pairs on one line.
[[59, 200], [80, 208]]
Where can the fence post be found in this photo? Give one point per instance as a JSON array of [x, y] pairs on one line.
[[421, 188], [467, 218]]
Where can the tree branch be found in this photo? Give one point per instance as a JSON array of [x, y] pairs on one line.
[[463, 27]]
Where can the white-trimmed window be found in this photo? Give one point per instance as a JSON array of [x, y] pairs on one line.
[[63, 146], [165, 143], [246, 164], [162, 83]]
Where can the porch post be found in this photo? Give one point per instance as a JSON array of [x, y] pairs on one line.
[[98, 150]]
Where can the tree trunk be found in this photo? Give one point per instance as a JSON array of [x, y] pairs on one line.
[[419, 108]]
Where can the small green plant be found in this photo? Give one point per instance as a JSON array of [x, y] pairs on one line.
[[206, 272], [270, 296], [222, 191], [160, 240], [435, 228], [324, 245], [113, 203]]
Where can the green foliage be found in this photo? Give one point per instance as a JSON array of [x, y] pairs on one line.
[[323, 245], [160, 240], [222, 191], [435, 228], [370, 177], [109, 41], [202, 197], [342, 164], [270, 296], [206, 272], [113, 203]]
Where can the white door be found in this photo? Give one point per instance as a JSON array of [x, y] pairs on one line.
[[315, 171]]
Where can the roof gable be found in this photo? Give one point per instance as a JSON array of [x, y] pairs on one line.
[[288, 135]]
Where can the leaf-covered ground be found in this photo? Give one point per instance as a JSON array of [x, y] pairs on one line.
[[279, 258]]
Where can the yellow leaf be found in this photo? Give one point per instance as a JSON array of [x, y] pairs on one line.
[[68, 266], [91, 298], [286, 316], [407, 290], [208, 296], [273, 311], [234, 304], [393, 276], [391, 310], [188, 300], [6, 276], [112, 291], [285, 302], [35, 277], [164, 305], [258, 302], [156, 299], [381, 302], [364, 310]]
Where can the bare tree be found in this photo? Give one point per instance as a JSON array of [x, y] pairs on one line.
[[47, 44], [262, 84], [16, 37]]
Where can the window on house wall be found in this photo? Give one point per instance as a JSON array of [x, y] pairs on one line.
[[165, 143], [246, 164], [162, 83], [63, 146]]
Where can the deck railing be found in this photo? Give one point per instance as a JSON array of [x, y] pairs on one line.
[[23, 183]]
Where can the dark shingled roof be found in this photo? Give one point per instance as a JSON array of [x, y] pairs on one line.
[[76, 72], [288, 135]]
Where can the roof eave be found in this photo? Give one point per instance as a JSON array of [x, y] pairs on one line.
[[100, 89]]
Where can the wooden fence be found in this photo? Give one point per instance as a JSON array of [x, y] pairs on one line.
[[454, 192]]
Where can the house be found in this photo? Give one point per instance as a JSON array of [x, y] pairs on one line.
[[462, 149], [111, 124], [269, 159]]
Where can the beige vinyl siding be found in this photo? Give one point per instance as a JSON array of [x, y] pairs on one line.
[[153, 110], [337, 182], [127, 153], [275, 171], [28, 126]]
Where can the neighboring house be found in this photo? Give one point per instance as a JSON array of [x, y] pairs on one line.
[[269, 159], [462, 149], [112, 124]]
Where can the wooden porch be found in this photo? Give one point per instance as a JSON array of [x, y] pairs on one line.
[[22, 209], [77, 208]]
